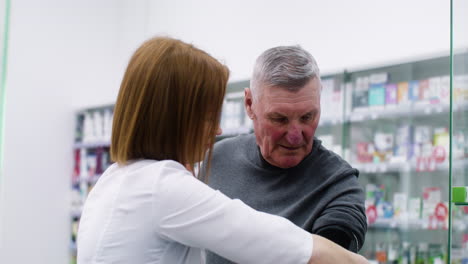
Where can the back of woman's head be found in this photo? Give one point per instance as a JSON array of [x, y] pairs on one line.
[[169, 103]]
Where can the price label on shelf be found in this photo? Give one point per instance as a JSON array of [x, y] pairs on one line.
[[441, 212], [371, 213], [439, 154]]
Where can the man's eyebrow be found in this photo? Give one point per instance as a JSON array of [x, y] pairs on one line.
[[313, 112], [275, 114]]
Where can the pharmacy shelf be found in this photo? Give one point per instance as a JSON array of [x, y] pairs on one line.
[[390, 223], [396, 111], [393, 112], [94, 144], [388, 112], [459, 225], [405, 166], [330, 121], [382, 167], [404, 225]]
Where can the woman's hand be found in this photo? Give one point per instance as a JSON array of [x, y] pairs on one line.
[[327, 252]]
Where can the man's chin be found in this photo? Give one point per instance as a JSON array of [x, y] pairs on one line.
[[287, 163]]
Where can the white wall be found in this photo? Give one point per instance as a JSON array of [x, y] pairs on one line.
[[64, 54], [67, 54], [114, 30], [3, 14], [338, 33]]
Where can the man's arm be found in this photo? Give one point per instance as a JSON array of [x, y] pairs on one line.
[[343, 221]]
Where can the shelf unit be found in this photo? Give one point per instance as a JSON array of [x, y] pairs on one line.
[[395, 131], [405, 177], [91, 158]]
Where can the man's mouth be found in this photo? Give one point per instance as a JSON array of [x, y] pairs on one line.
[[290, 148]]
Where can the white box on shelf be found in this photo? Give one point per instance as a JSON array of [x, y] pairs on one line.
[[88, 128], [434, 89], [108, 116], [98, 125]]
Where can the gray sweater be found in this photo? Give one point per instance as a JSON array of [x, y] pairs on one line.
[[321, 194]]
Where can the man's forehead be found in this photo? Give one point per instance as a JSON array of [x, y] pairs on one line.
[[280, 96], [310, 89], [285, 107]]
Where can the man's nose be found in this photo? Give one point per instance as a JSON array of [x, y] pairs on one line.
[[294, 136]]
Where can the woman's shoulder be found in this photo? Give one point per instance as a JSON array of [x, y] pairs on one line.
[[147, 171], [146, 165], [163, 171]]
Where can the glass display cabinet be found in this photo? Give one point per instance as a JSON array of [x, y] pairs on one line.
[[458, 233], [91, 157], [394, 128]]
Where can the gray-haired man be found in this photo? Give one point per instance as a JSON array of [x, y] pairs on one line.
[[281, 168]]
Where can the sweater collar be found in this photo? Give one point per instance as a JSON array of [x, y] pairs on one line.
[[257, 158]]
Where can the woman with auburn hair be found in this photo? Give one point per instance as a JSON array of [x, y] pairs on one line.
[[148, 207]]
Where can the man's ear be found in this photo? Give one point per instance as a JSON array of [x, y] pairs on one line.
[[248, 101]]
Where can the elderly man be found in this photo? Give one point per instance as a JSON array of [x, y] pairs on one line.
[[281, 168]]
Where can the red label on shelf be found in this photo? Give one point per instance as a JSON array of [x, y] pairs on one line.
[[371, 213], [441, 212], [439, 154]]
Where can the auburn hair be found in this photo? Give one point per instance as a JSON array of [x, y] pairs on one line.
[[169, 104]]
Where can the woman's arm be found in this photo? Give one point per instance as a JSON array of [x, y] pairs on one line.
[[189, 212], [327, 252]]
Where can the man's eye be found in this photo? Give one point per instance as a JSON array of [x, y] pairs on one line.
[[281, 120], [306, 117]]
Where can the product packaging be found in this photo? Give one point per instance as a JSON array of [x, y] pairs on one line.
[[424, 92], [391, 94], [88, 128], [460, 89], [107, 124], [422, 139], [431, 197], [377, 95], [414, 209], [400, 204], [403, 93], [459, 145], [441, 145], [444, 92], [434, 89], [383, 146], [98, 125], [414, 91], [361, 94], [403, 143], [365, 152]]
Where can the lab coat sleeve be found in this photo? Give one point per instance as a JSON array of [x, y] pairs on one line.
[[190, 212]]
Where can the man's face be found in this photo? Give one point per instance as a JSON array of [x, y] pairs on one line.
[[285, 122]]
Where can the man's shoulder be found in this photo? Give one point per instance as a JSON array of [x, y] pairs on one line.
[[229, 156], [327, 158], [233, 143]]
